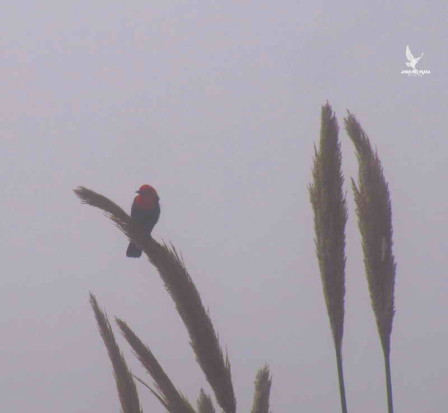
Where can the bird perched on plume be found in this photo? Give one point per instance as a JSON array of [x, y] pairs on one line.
[[145, 211]]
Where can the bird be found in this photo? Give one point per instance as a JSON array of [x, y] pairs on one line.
[[412, 60], [145, 211]]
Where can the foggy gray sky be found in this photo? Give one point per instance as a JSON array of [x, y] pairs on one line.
[[217, 105]]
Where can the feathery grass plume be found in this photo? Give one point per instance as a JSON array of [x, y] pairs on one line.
[[330, 216], [373, 207], [205, 404], [179, 284], [204, 340], [263, 383], [127, 391], [121, 219], [168, 395]]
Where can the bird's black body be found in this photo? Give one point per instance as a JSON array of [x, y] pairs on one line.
[[145, 211]]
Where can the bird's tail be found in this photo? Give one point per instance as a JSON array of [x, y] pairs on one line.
[[133, 251]]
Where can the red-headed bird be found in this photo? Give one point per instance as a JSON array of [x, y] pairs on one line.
[[145, 211]]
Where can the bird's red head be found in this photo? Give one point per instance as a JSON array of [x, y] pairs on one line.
[[147, 197], [146, 190]]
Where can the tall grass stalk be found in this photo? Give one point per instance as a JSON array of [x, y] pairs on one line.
[[167, 394], [205, 404], [180, 286], [127, 391], [330, 217], [373, 207], [262, 392]]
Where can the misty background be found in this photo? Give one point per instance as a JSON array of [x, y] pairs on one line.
[[217, 105]]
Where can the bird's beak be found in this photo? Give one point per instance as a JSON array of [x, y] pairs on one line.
[[137, 192]]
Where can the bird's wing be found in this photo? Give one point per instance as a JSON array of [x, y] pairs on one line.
[[133, 209], [409, 54]]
